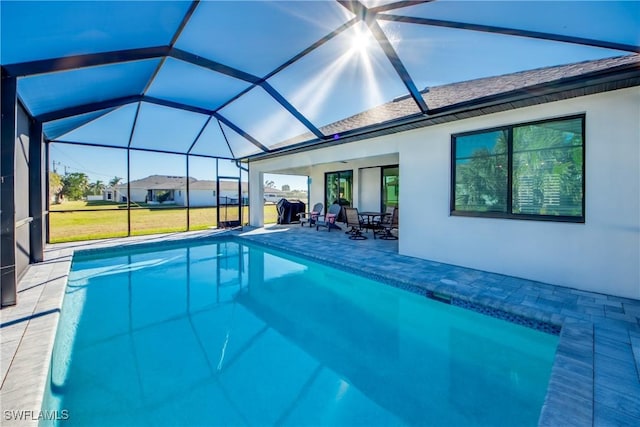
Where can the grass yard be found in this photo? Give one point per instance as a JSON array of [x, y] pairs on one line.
[[84, 205], [79, 220]]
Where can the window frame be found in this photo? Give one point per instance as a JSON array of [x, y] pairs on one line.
[[509, 130]]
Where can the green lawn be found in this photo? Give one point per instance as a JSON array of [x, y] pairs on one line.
[[79, 220], [81, 204]]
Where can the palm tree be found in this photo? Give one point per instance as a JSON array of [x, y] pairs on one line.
[[96, 187], [115, 181]]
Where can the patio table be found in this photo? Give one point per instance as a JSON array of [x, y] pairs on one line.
[[371, 222]]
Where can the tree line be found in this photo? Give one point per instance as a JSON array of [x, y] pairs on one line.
[[76, 186]]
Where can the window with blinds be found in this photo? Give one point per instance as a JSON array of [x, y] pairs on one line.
[[525, 171]]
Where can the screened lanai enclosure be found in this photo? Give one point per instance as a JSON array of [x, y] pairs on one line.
[[133, 106]]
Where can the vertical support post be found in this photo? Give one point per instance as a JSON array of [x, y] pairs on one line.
[[217, 193], [128, 192], [249, 194], [36, 192], [8, 110], [133, 129], [188, 197], [47, 196], [240, 198]]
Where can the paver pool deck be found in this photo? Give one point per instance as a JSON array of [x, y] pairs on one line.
[[595, 378]]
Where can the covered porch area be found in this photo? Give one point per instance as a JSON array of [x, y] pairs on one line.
[[368, 183]]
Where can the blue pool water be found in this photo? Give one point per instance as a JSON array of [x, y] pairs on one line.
[[219, 332]]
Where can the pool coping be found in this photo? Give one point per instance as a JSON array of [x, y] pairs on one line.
[[595, 377]]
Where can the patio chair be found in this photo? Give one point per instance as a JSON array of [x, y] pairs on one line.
[[311, 217], [329, 219], [356, 223], [384, 221], [391, 225]]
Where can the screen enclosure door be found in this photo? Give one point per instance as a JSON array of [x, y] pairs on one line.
[[229, 200]]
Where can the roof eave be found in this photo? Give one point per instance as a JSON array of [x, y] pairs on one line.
[[614, 78]]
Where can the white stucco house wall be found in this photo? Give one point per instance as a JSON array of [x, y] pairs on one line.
[[114, 194], [602, 254], [201, 193]]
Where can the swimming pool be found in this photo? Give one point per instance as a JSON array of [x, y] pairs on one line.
[[219, 332]]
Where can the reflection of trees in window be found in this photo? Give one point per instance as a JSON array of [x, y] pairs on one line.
[[546, 178], [390, 186], [481, 173], [547, 169], [339, 188]]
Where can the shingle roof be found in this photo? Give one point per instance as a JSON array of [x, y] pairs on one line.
[[202, 185], [211, 185], [159, 182], [169, 182], [446, 95], [477, 90]]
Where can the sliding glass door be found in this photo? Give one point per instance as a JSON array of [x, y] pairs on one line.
[[338, 188], [390, 186]]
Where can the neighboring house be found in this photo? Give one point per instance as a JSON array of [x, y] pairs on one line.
[[172, 190], [164, 189], [273, 195], [111, 194], [203, 193]]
